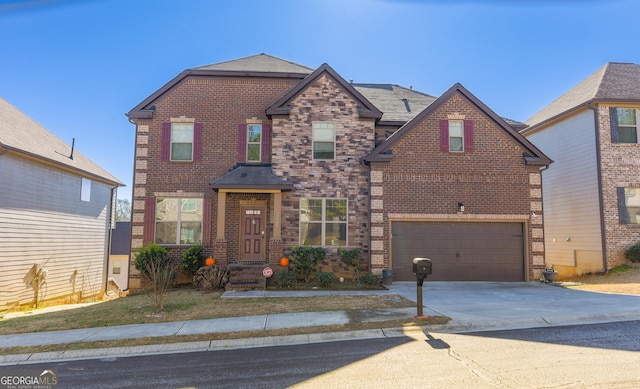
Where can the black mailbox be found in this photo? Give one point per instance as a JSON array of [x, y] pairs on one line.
[[421, 266]]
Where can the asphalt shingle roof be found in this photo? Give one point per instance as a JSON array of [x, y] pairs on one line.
[[20, 133], [614, 81], [397, 103], [251, 177], [258, 63]]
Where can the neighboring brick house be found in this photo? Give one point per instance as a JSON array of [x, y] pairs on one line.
[[592, 191], [253, 156]]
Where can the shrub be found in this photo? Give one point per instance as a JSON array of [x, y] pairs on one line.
[[352, 259], [633, 253], [370, 280], [211, 277], [192, 260], [324, 278], [306, 258], [154, 263], [286, 279]]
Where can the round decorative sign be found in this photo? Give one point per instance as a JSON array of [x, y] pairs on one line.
[[267, 272]]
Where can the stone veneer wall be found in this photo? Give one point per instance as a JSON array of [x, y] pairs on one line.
[[620, 167], [423, 183], [345, 177]]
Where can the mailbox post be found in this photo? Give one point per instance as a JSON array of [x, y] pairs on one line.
[[421, 268]]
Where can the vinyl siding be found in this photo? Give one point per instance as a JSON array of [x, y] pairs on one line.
[[570, 193], [42, 220]]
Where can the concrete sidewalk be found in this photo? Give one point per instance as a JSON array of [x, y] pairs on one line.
[[472, 306]]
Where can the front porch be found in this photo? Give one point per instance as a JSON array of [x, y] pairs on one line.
[[249, 224]]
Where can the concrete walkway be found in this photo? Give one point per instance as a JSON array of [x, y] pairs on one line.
[[472, 306]]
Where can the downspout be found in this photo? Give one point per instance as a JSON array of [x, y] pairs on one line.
[[594, 108]]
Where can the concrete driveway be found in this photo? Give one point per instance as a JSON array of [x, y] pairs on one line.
[[477, 306]]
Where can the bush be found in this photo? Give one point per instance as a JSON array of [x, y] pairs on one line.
[[306, 258], [154, 263], [633, 253], [192, 260], [370, 280], [324, 278], [286, 279], [352, 259], [211, 277]]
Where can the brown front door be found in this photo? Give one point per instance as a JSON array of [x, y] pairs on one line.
[[252, 234]]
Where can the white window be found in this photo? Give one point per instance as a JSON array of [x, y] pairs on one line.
[[630, 206], [324, 140], [628, 119], [85, 190], [456, 135], [181, 141], [323, 222], [254, 142], [178, 221]]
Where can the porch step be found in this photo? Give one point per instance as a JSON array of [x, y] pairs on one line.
[[243, 276]]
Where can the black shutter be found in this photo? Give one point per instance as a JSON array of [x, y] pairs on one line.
[[623, 215], [613, 115]]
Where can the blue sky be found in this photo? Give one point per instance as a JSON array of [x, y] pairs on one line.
[[77, 66]]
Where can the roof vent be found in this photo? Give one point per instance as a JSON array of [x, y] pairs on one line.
[[406, 105]]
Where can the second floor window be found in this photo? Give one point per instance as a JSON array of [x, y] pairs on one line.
[[181, 141], [254, 142], [456, 135], [628, 125], [324, 140]]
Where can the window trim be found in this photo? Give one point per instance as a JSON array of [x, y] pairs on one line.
[[323, 222], [635, 127], [623, 208], [313, 140], [461, 137], [171, 142], [179, 211], [259, 143]]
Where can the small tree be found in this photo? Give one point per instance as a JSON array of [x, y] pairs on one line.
[[154, 263], [352, 259], [306, 258], [192, 260]]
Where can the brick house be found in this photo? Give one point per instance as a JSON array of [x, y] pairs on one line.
[[253, 156], [592, 191]]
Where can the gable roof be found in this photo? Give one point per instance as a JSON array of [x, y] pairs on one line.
[[260, 65], [398, 104], [532, 157], [614, 82], [366, 109], [21, 134]]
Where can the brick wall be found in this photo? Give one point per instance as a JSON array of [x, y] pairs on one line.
[[492, 181], [220, 104], [620, 167]]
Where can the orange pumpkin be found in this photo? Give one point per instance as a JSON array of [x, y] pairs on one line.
[[210, 261], [284, 261]]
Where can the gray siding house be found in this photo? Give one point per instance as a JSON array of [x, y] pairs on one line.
[[592, 191], [56, 211]]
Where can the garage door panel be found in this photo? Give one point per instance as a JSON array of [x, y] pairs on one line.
[[460, 251]]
